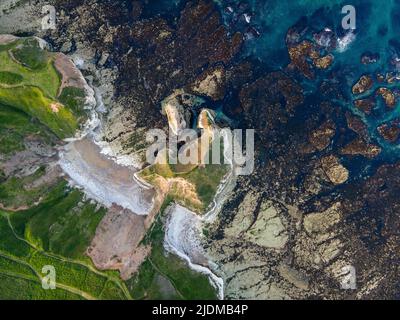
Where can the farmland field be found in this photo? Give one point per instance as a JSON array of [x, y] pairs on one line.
[[25, 249]]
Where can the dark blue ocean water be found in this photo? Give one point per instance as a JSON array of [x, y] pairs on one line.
[[377, 30]]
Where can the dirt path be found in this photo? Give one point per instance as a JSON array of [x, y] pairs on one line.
[[22, 208], [166, 276], [70, 289], [7, 38]]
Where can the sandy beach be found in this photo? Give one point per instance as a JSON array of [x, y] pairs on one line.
[[104, 180]]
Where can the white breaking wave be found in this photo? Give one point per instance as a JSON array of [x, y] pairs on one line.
[[98, 183], [78, 61], [126, 160], [344, 42], [100, 106], [101, 185], [182, 237], [88, 128], [94, 128], [184, 228], [184, 231]]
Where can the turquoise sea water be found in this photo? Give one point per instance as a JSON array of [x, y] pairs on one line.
[[274, 17], [377, 31]]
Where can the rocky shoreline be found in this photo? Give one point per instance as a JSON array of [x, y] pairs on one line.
[[322, 198]]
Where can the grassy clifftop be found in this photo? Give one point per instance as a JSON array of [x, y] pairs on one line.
[[30, 82], [42, 220], [192, 185]]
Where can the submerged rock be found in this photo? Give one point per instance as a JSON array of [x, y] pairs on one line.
[[335, 171], [360, 147], [363, 84], [388, 97], [324, 62], [369, 58], [390, 131], [321, 138], [365, 105], [356, 124], [301, 53]]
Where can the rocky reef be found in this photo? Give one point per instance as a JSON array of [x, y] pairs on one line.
[[363, 84], [292, 229], [390, 131]]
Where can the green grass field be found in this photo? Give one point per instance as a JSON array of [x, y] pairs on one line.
[[63, 223], [32, 101], [15, 125], [45, 77], [29, 82], [56, 233], [14, 192], [204, 179], [30, 55], [74, 99], [54, 224], [10, 78]]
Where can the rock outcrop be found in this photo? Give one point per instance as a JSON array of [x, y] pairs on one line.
[[363, 84], [336, 172]]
